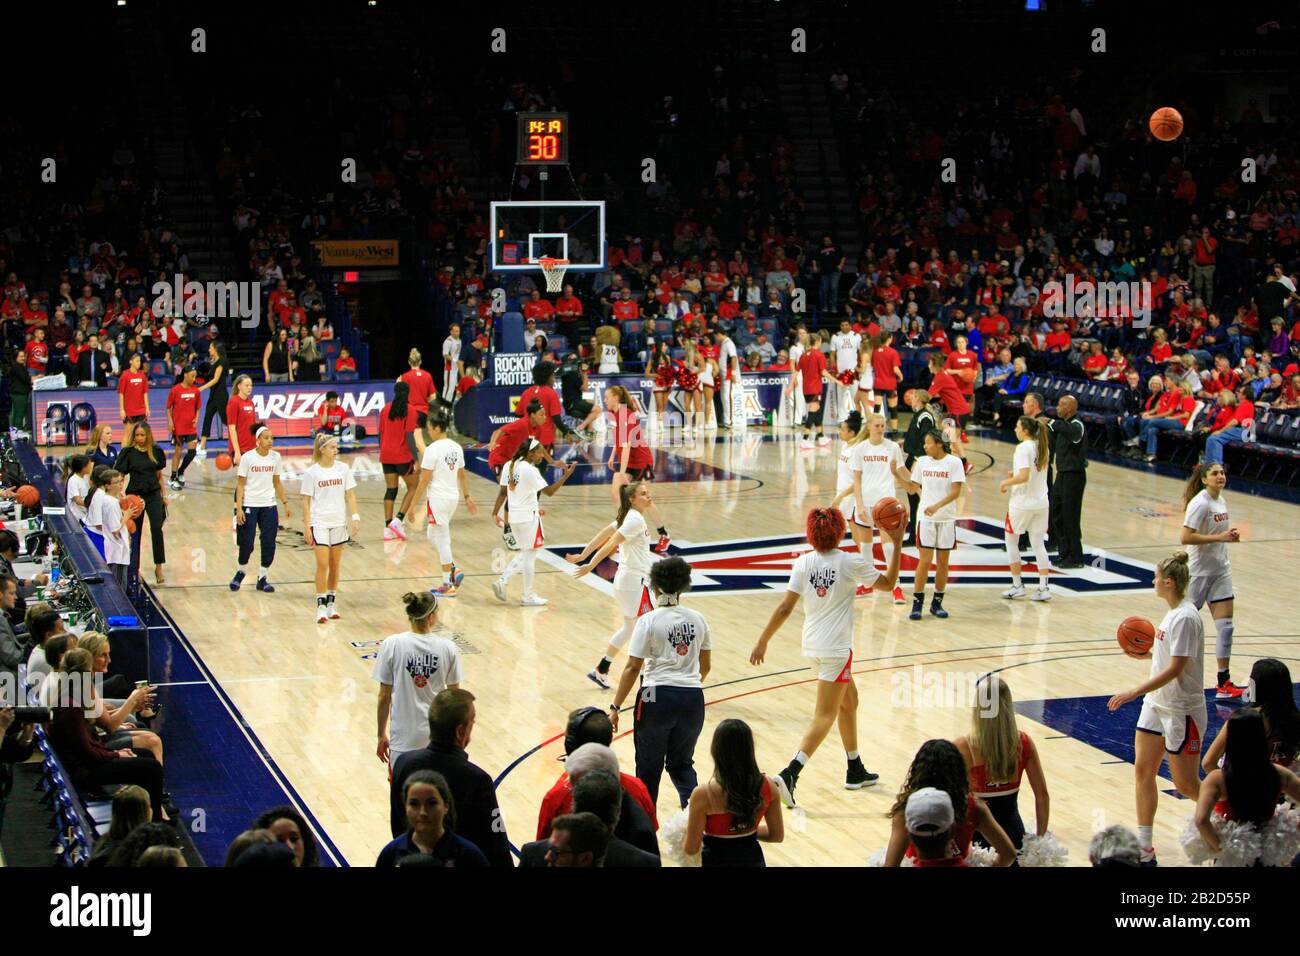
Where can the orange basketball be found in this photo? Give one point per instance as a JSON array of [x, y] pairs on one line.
[[889, 514], [130, 502], [130, 526], [224, 462], [1166, 124], [1136, 635], [27, 496]]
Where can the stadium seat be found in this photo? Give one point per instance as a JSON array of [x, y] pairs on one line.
[[83, 417], [57, 425], [330, 349]]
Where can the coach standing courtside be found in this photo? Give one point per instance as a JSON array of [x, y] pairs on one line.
[[1070, 441]]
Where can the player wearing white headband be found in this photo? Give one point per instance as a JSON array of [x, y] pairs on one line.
[[256, 491]]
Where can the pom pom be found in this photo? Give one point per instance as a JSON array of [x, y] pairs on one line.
[[981, 856], [672, 837], [1281, 837], [878, 858], [848, 377], [1275, 843], [1045, 850]]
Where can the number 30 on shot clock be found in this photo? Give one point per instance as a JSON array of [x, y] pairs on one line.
[[543, 139]]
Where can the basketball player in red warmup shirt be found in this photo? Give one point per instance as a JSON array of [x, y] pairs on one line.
[[944, 387], [241, 418], [133, 397], [887, 368], [420, 381], [963, 363], [183, 424], [630, 457]]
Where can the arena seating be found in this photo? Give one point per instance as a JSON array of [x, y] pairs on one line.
[[1273, 456]]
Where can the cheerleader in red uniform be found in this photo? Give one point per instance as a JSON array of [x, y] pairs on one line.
[[663, 368], [688, 380], [630, 455]]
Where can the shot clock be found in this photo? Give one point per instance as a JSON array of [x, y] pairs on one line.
[[543, 139]]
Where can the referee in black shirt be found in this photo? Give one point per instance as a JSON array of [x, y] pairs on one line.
[[1070, 442]]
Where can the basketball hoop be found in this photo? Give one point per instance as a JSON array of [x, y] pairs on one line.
[[553, 269]]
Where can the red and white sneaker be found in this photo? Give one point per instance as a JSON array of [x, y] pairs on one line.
[[969, 466], [390, 534], [1228, 691], [862, 591], [898, 596], [396, 527], [964, 439], [662, 546]]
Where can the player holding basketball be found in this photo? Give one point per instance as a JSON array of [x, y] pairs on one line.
[[328, 496], [630, 456], [875, 462], [1173, 717], [827, 579], [1027, 508], [443, 482], [630, 535], [941, 477], [1207, 532], [183, 403], [521, 483]]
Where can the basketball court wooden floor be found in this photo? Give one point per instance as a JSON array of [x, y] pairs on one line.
[[735, 508]]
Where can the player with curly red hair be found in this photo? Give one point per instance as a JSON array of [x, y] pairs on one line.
[[826, 578]]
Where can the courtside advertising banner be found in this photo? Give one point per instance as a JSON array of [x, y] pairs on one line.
[[287, 408]]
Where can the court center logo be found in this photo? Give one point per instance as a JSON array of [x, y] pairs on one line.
[[740, 566]]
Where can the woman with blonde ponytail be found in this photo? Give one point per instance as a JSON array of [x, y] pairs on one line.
[[1173, 717], [412, 668], [1027, 509], [421, 382]]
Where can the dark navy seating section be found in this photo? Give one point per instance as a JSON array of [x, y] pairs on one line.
[[1272, 456]]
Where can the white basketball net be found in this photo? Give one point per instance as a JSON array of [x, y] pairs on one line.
[[554, 270]]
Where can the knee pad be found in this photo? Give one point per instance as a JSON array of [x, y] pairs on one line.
[[1223, 638], [390, 494]]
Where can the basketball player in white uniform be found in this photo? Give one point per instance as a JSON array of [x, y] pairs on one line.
[[328, 497], [1207, 532], [1173, 718], [443, 482], [630, 534], [1027, 507], [257, 488], [521, 483], [844, 344], [729, 373], [670, 655], [452, 367], [412, 668], [799, 410], [875, 465], [939, 476], [827, 579]]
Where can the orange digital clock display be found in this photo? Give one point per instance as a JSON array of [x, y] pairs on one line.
[[543, 138]]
